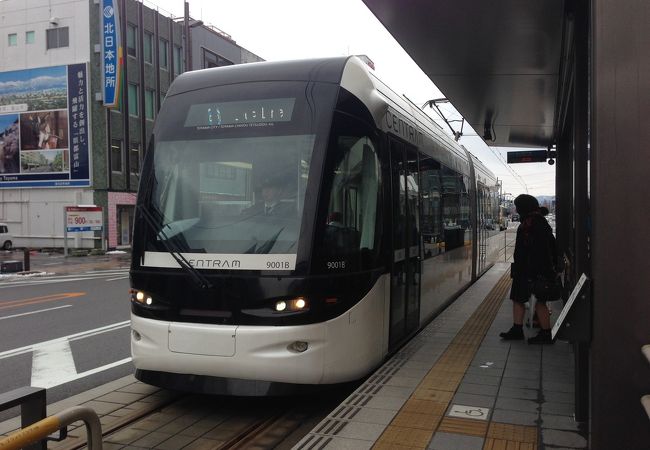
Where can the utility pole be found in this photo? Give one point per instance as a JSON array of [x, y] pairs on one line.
[[188, 49]]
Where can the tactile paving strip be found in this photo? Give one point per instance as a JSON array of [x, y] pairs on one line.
[[421, 415]]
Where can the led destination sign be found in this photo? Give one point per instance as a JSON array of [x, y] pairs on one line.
[[226, 114]]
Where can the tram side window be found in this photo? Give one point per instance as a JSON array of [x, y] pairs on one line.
[[455, 208], [431, 221], [350, 236]]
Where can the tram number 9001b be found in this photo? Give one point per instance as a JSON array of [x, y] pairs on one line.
[[336, 264], [278, 265]]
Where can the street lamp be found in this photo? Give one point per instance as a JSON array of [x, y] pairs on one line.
[[189, 23]]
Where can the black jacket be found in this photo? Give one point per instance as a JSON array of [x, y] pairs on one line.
[[535, 253]]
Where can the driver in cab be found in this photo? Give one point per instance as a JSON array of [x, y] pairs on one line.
[[271, 204]]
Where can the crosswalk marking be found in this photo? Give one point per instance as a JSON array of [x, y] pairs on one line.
[[52, 364]]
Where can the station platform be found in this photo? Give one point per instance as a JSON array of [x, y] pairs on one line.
[[455, 386], [458, 386]]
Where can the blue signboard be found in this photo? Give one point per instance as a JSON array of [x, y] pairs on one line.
[[44, 127], [111, 53]]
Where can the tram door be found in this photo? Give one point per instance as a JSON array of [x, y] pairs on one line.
[[406, 266]]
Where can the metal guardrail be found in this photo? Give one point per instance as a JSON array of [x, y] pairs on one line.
[[41, 429], [645, 400], [32, 402]]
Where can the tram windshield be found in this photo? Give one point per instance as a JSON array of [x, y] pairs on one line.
[[242, 195]]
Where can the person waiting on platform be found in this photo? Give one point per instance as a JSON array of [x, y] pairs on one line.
[[533, 258], [271, 204]]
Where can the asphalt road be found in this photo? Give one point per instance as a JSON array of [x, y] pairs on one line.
[[68, 333]]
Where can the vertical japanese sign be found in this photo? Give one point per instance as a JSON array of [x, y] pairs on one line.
[[79, 164], [45, 127], [111, 53]]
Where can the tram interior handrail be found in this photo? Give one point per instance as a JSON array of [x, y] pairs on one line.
[[645, 400], [646, 351], [41, 429]]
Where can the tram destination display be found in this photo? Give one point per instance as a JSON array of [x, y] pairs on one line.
[[241, 113]]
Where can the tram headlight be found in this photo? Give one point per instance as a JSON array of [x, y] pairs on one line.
[[140, 297], [294, 305]]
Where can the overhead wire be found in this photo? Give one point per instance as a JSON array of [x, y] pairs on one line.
[[497, 154]]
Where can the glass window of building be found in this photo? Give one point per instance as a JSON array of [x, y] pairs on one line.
[[116, 155], [57, 38], [162, 54], [149, 110], [131, 40], [211, 59], [178, 61], [30, 37], [12, 39], [134, 161], [148, 47], [133, 100]]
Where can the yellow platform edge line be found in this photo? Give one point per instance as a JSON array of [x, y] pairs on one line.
[[450, 367]]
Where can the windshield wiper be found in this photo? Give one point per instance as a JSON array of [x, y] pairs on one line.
[[194, 274], [268, 245]]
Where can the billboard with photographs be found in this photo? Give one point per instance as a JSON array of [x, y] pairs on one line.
[[44, 127]]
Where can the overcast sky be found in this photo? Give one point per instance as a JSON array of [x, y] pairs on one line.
[[293, 29]]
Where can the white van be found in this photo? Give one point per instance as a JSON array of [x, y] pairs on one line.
[[5, 237]]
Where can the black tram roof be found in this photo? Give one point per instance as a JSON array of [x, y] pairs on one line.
[[328, 70]]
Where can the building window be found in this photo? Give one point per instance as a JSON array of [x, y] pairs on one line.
[[178, 61], [148, 48], [133, 100], [148, 104], [30, 37], [57, 38], [125, 215], [134, 154], [13, 39], [162, 97], [213, 60], [116, 155], [131, 40], [162, 54]]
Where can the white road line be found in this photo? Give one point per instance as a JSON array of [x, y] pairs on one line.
[[53, 365], [34, 312], [110, 269], [95, 370], [115, 279], [53, 280], [72, 337]]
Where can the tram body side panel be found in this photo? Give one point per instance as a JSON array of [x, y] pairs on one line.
[[444, 277], [342, 349]]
